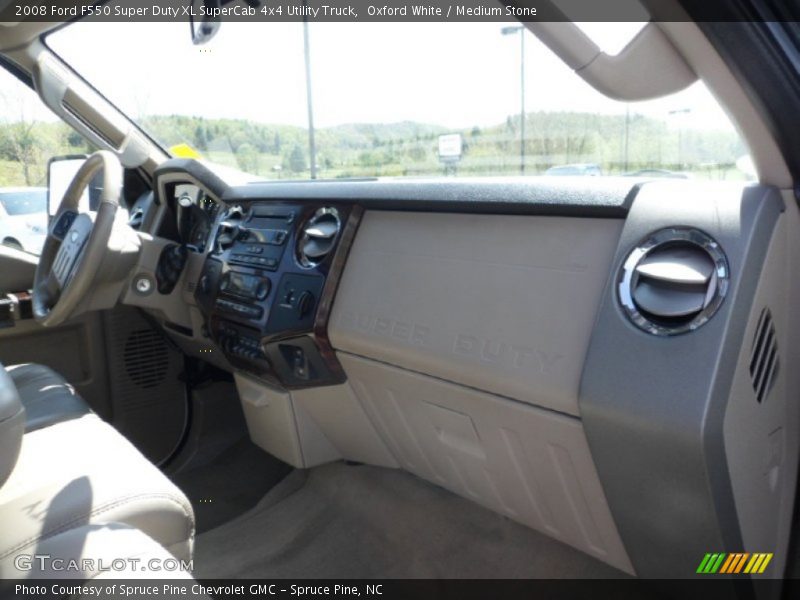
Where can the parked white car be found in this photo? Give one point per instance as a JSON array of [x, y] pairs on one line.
[[23, 218]]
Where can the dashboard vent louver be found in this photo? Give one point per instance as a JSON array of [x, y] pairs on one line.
[[228, 228], [136, 219], [674, 281], [764, 359], [318, 237]]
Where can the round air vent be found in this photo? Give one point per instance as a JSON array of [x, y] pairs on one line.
[[318, 237], [228, 228], [674, 281]]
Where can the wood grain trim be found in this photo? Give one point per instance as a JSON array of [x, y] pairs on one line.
[[329, 292]]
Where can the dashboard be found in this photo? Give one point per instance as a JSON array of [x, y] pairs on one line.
[[495, 336], [247, 273], [259, 275]]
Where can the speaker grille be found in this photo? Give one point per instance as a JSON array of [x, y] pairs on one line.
[[146, 358], [764, 358], [148, 395]]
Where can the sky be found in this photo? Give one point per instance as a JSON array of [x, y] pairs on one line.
[[458, 75]]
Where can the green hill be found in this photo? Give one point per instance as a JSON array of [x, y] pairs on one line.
[[405, 148]]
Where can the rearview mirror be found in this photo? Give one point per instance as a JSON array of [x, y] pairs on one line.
[[61, 170], [206, 27]]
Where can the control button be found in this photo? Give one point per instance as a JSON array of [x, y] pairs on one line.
[[262, 290], [275, 237], [300, 364], [305, 303], [251, 312]]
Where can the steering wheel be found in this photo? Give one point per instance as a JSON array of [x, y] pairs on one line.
[[76, 242]]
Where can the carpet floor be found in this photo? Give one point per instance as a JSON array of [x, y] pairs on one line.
[[342, 521], [231, 484]]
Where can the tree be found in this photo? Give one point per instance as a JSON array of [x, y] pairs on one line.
[[247, 158], [21, 140], [297, 159], [22, 145], [200, 138], [75, 139]]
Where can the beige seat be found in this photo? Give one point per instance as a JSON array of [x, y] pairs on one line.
[[93, 554], [83, 472], [111, 550], [46, 396], [77, 500], [12, 425]]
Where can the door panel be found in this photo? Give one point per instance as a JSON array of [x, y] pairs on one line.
[[76, 350], [16, 270]]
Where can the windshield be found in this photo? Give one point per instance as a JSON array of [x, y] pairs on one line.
[[393, 99]]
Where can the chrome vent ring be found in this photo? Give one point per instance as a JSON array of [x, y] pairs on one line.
[[317, 237], [673, 281]]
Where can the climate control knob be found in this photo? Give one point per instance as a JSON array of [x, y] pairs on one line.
[[305, 303], [262, 290]]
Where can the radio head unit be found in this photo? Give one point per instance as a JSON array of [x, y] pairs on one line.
[[255, 290]]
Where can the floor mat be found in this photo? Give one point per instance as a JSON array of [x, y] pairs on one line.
[[230, 484], [340, 521]]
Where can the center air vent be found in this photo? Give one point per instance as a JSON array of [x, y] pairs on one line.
[[228, 228], [674, 281], [136, 219], [318, 237]]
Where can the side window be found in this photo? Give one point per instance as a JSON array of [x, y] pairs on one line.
[[29, 135]]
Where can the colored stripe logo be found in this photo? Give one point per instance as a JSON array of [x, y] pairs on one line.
[[733, 563]]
